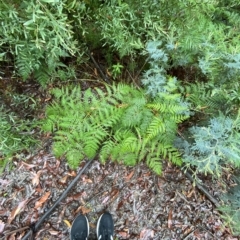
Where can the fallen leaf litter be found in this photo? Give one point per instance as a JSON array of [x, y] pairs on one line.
[[143, 205]]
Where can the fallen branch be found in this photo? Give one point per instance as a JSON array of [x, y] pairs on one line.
[[64, 194], [203, 189], [14, 231], [104, 77]]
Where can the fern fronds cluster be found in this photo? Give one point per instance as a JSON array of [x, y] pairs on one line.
[[211, 100], [119, 123]]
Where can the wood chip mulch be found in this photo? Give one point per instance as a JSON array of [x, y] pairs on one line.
[[144, 206]]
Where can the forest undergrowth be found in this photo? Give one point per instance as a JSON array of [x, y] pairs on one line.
[[127, 82]]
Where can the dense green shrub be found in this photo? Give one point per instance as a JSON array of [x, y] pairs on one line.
[[213, 147], [208, 100], [38, 34], [15, 136], [202, 35], [121, 123], [155, 78]]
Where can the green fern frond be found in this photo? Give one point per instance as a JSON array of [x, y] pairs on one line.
[[120, 124], [91, 147], [133, 116], [48, 125], [121, 149], [74, 157], [130, 159], [42, 74], [106, 149], [173, 155], [207, 98], [110, 116], [156, 127], [177, 118], [173, 106], [59, 92], [59, 148], [154, 163], [93, 140]]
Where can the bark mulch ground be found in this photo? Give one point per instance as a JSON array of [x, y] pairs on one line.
[[144, 206]]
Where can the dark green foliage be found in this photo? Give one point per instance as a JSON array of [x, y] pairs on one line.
[[37, 34], [202, 35], [209, 100], [40, 34], [120, 123]]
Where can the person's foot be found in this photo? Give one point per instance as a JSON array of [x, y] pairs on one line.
[[80, 228], [105, 227]]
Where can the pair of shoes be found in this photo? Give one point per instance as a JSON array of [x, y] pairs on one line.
[[80, 228]]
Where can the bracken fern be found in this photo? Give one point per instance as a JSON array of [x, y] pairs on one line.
[[119, 123]]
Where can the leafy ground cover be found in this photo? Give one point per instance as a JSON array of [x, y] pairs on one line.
[[144, 206]]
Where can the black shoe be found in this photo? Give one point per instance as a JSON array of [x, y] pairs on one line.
[[105, 227], [80, 228]]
